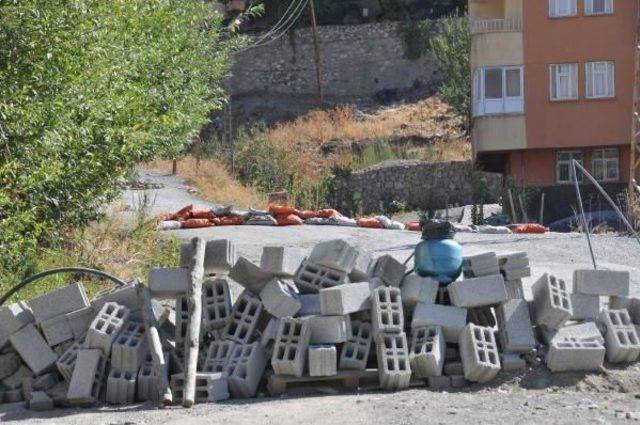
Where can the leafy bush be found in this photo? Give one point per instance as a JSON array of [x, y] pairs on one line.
[[88, 89], [415, 38]]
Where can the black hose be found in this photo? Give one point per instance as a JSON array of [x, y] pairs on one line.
[[45, 273]]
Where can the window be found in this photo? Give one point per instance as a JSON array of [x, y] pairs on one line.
[[561, 8], [498, 90], [605, 165], [600, 80], [564, 81], [598, 7], [563, 166]]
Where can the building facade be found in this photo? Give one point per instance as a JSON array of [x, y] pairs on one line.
[[553, 81]]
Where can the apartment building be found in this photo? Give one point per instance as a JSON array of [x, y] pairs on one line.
[[553, 81]]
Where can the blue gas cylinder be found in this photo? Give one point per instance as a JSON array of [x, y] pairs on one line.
[[438, 255]]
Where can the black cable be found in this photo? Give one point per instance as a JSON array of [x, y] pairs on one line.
[[45, 273]]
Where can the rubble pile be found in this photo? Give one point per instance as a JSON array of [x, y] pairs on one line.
[[334, 316]]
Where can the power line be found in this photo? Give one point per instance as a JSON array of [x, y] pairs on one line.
[[290, 22], [277, 25]]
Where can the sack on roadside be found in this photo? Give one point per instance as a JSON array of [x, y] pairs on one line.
[[369, 223], [194, 223], [288, 220]]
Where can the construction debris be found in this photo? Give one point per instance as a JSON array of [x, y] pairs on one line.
[[331, 317]]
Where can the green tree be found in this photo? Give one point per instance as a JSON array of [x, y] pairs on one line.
[[88, 89], [451, 50]]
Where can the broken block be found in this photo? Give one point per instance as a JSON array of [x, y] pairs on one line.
[[245, 316], [129, 349], [322, 360], [168, 282], [389, 270], [13, 318], [40, 402], [570, 354], [451, 319], [388, 315], [311, 278], [329, 329], [621, 339], [61, 301], [427, 351], [479, 353], [250, 276], [290, 350], [601, 282], [121, 387], [216, 304], [217, 356], [67, 360], [33, 349], [88, 377], [345, 299], [335, 254], [281, 261], [478, 292], [361, 268], [210, 387], [551, 300], [394, 369], [106, 327], [514, 327], [280, 298], [355, 352], [245, 369], [417, 289], [585, 307], [310, 305], [9, 364]]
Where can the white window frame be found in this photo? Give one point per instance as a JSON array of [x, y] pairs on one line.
[[609, 79], [555, 75], [588, 8], [506, 105], [555, 9], [599, 158], [567, 162]]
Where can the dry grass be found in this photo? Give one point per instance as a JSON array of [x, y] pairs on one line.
[[211, 177]]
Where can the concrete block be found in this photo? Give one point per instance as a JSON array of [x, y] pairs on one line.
[[458, 381], [281, 261], [59, 394], [335, 254], [147, 380], [485, 264], [585, 307], [621, 340], [40, 402], [587, 331], [106, 327], [45, 382], [126, 295], [601, 282], [481, 316], [56, 330], [453, 368], [129, 349], [478, 292], [439, 383], [250, 276], [14, 381], [631, 304], [512, 362], [451, 319], [427, 351], [219, 256], [12, 396], [245, 316], [416, 289], [328, 329], [13, 317], [245, 370], [311, 278], [551, 300], [33, 349], [516, 274], [355, 352], [217, 356], [182, 322], [362, 267], [452, 354], [280, 298], [88, 379], [310, 305], [345, 299], [323, 360], [514, 289], [514, 327], [9, 364], [389, 270], [168, 282], [269, 335], [67, 361], [388, 315], [80, 320], [290, 350], [121, 387], [394, 368], [570, 354], [61, 301], [210, 387], [479, 353]]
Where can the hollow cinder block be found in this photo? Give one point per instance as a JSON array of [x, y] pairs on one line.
[[217, 356], [585, 307], [335, 254], [66, 362], [323, 360], [281, 261], [570, 354], [389, 270], [551, 301], [417, 289], [427, 351], [601, 282], [280, 298], [106, 327], [514, 326], [478, 292], [290, 349], [210, 387], [245, 369], [479, 353], [216, 304], [126, 295], [245, 316], [219, 256], [33, 349], [345, 299], [388, 315], [88, 378], [329, 329], [394, 369], [355, 352], [451, 319], [121, 387], [168, 282], [310, 278], [130, 348], [621, 340]]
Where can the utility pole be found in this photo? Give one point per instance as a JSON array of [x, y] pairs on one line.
[[635, 125], [316, 45]]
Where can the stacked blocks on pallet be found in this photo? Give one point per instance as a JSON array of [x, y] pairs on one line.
[[355, 352], [322, 360], [245, 369]]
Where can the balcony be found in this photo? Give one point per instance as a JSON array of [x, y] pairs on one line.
[[485, 26]]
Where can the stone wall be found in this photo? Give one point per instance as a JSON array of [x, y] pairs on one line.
[[358, 61], [419, 185]]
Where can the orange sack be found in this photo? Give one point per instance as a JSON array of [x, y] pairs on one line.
[[369, 222], [413, 226], [288, 220], [201, 213], [306, 214], [230, 220], [194, 223], [328, 213], [530, 228], [184, 212], [281, 209]]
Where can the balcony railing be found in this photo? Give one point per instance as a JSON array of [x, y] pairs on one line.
[[496, 25]]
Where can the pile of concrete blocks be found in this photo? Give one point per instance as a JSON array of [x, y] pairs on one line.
[[332, 316]]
